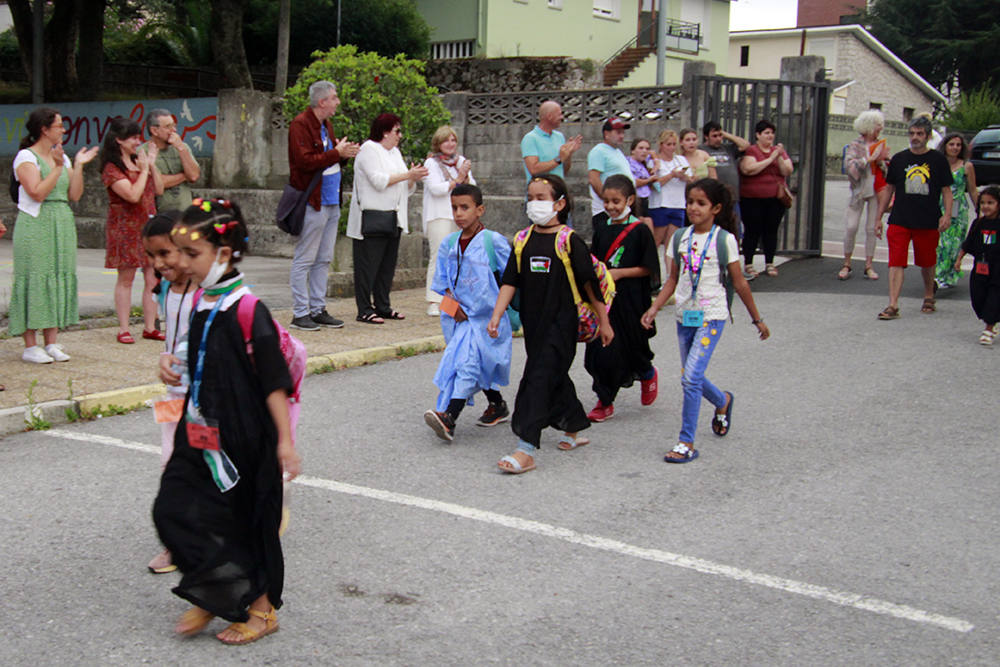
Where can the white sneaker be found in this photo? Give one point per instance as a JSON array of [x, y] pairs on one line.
[[433, 310], [55, 350], [36, 355]]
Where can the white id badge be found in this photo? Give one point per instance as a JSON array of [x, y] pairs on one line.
[[693, 318]]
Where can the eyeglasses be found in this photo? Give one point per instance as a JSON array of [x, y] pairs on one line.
[[398, 130]]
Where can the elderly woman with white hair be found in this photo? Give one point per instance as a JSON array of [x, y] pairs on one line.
[[445, 169], [865, 161]]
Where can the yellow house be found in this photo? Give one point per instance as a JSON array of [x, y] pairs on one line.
[[618, 35]]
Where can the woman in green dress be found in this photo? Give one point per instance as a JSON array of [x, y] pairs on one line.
[[44, 295], [964, 176]]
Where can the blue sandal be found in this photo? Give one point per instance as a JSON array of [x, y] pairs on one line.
[[689, 454]]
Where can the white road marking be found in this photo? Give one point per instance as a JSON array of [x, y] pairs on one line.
[[843, 598]]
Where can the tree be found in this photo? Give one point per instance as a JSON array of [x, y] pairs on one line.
[[945, 41], [227, 42], [386, 27], [369, 84]]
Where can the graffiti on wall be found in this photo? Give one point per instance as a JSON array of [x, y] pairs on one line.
[[87, 122]]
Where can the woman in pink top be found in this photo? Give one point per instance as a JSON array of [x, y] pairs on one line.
[[764, 167]]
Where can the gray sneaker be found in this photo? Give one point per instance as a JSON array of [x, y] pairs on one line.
[[324, 319], [305, 323]]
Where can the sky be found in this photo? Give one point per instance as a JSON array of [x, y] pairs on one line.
[[761, 14]]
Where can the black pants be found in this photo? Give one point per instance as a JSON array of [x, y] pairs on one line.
[[374, 268], [761, 219], [985, 294]]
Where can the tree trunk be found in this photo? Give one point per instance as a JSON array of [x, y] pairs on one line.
[[90, 53], [20, 11], [61, 82], [227, 46], [281, 67]]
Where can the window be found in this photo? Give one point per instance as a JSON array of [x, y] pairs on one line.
[[607, 9], [745, 55], [908, 114], [555, 4], [877, 106]]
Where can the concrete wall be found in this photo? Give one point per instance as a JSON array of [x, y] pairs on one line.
[[243, 141]]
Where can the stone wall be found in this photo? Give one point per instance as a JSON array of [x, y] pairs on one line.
[[510, 75], [877, 81]]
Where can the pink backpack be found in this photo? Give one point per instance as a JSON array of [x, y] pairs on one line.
[[292, 349]]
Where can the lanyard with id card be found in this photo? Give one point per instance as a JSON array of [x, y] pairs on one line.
[[202, 433], [696, 318]]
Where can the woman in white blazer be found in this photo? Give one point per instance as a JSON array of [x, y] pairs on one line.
[[445, 169], [381, 183]]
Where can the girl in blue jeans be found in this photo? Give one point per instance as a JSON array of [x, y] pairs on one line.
[[701, 282]]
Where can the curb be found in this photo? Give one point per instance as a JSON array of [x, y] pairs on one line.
[[119, 401]]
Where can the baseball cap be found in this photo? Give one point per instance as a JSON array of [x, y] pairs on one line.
[[615, 123]]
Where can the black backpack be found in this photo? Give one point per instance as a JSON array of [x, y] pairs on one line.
[[15, 187]]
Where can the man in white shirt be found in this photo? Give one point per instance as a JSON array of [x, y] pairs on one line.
[[606, 159]]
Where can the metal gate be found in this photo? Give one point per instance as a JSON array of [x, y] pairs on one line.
[[799, 111]]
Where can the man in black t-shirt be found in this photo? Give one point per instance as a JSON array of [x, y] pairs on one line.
[[921, 180]]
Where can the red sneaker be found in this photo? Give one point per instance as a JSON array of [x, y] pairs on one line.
[[650, 388], [601, 412]]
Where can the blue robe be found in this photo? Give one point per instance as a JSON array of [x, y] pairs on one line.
[[472, 360]]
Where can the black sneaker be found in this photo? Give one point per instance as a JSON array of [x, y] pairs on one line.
[[305, 323], [495, 413], [324, 319], [441, 423]]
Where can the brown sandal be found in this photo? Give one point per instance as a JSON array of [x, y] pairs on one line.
[[890, 313], [929, 306], [247, 635], [193, 621], [845, 272]]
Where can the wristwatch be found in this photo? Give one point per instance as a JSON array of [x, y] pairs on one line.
[[558, 160]]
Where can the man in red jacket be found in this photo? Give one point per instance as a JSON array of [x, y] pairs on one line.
[[312, 147]]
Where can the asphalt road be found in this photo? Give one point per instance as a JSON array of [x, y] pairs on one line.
[[849, 517]]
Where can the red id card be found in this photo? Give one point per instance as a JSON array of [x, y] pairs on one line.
[[982, 268], [202, 436]]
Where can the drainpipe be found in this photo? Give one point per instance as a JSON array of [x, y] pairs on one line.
[[661, 43]]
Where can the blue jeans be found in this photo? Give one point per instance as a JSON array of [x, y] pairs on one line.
[[311, 261], [697, 345]]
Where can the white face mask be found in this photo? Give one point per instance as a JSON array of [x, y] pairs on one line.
[[623, 215], [216, 272], [541, 212]]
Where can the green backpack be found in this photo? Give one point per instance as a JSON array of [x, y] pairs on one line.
[[723, 249]]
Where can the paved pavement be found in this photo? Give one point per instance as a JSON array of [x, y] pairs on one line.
[[849, 518]]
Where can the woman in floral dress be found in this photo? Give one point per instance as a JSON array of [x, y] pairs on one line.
[[964, 175], [133, 182]]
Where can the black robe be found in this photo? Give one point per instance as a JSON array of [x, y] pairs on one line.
[[546, 395], [629, 356], [226, 544]]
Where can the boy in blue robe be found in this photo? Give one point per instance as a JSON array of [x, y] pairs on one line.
[[466, 276]]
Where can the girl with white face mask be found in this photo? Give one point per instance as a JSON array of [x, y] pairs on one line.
[[628, 249], [234, 438], [546, 395]]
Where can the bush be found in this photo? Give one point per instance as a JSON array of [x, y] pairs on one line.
[[369, 84], [974, 111]]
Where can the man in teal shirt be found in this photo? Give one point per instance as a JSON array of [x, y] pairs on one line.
[[545, 149], [606, 159]]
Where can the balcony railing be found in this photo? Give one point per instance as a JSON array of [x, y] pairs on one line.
[[680, 36]]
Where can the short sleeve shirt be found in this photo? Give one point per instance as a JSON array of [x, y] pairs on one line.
[[918, 180], [608, 160], [711, 294], [727, 169], [168, 161], [543, 146]]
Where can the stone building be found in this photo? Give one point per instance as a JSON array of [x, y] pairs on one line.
[[865, 74]]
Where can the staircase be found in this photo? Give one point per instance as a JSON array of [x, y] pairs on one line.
[[624, 62]]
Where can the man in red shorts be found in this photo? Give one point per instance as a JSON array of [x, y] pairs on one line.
[[921, 181]]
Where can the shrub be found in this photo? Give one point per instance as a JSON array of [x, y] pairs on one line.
[[974, 111], [369, 84]]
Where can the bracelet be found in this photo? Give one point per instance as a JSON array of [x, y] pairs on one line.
[[756, 322]]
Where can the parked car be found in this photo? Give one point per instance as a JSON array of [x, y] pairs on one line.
[[986, 155]]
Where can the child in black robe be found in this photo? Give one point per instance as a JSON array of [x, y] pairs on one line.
[[219, 505], [627, 247], [546, 395], [983, 243]]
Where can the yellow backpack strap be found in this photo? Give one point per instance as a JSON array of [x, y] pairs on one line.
[[520, 240], [563, 252]]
